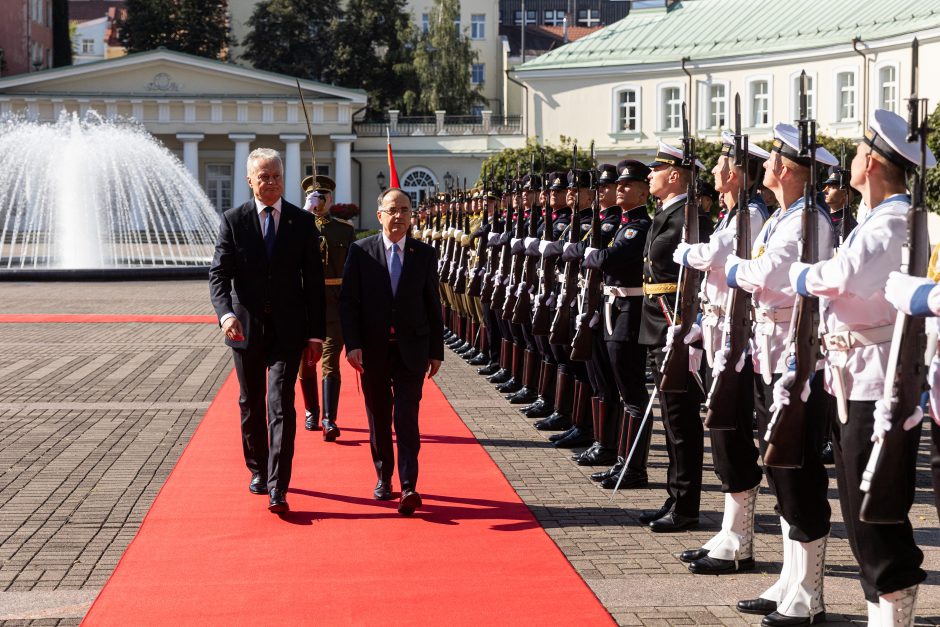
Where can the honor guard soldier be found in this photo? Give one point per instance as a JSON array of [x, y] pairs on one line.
[[669, 182], [734, 453], [796, 597], [498, 228], [336, 236], [861, 323], [838, 196]]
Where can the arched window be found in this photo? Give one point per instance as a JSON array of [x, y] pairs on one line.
[[418, 183]]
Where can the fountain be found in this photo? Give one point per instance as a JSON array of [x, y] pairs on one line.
[[87, 197]]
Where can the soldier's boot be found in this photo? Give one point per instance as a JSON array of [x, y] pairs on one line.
[[505, 363], [466, 345], [605, 430], [544, 405], [803, 598], [308, 389], [623, 417], [482, 357], [583, 433], [530, 374], [767, 602], [635, 475], [589, 451], [330, 405], [560, 418], [896, 608], [577, 398], [514, 384], [472, 351], [731, 550]]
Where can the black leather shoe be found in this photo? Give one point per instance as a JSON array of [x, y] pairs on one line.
[[649, 517], [277, 503], [312, 420], [576, 438], [480, 360], [383, 490], [330, 430], [714, 566], [597, 456], [490, 369], [757, 606], [827, 455], [410, 501], [501, 376], [555, 422], [509, 387], [470, 355], [777, 619], [539, 409], [631, 479], [692, 554], [673, 522], [258, 485], [523, 396], [561, 434], [586, 451], [612, 471]]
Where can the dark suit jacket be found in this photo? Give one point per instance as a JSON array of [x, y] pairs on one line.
[[368, 310], [242, 280]]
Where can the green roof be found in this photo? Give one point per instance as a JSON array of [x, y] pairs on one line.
[[713, 29]]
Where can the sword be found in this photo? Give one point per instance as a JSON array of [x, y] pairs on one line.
[[626, 463], [313, 153]]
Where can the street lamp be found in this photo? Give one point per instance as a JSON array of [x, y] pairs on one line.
[[380, 179], [448, 181]]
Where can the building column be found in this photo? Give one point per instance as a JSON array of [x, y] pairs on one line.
[[342, 159], [191, 151], [292, 168], [241, 193]]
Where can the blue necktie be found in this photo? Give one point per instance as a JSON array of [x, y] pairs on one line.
[[394, 270], [269, 233]]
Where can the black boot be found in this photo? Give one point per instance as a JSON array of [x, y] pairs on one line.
[[635, 476], [560, 419], [505, 363], [308, 388], [544, 405], [481, 359], [530, 375], [330, 405], [489, 369], [561, 434], [605, 453], [583, 433], [613, 470], [515, 382]]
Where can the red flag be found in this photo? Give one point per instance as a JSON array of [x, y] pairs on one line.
[[392, 173]]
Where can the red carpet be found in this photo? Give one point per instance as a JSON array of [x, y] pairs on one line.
[[209, 553], [102, 318]]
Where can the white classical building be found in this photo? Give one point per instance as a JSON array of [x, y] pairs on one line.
[[624, 86]]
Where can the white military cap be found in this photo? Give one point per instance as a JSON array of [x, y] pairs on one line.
[[669, 155], [727, 147], [787, 143], [887, 135]]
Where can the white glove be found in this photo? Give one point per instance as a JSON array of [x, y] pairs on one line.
[[312, 199], [542, 246], [695, 333], [528, 241], [934, 383], [695, 358], [882, 417], [731, 262], [721, 361], [458, 234], [782, 390], [492, 237], [678, 255], [568, 245], [670, 337], [595, 320], [900, 289], [588, 251], [796, 269]]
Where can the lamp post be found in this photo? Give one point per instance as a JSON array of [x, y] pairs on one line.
[[448, 181], [380, 179]]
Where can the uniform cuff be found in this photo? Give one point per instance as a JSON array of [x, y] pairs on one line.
[[685, 258], [225, 317], [733, 276], [920, 306], [801, 284]]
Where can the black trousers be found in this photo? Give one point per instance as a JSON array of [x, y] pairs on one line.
[[545, 349], [601, 373], [268, 425], [801, 492], [628, 366], [685, 440], [935, 462], [734, 453], [393, 394], [888, 559], [528, 338], [493, 332]]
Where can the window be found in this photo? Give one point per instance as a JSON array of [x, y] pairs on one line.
[[477, 111], [888, 88], [417, 183], [517, 17], [760, 103], [589, 17], [425, 22], [716, 106], [810, 96], [219, 185], [457, 25], [477, 26], [88, 46], [670, 106], [554, 18], [321, 169], [845, 97], [477, 73], [628, 119]]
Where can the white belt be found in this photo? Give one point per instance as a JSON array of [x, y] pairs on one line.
[[709, 309], [844, 340], [622, 292], [773, 314]]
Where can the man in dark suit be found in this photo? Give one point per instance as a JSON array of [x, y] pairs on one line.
[[266, 285], [391, 315]]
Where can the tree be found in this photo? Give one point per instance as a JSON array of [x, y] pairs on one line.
[[547, 158], [932, 195], [197, 27], [443, 60], [294, 37]]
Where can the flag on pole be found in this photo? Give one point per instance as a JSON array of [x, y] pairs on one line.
[[392, 173]]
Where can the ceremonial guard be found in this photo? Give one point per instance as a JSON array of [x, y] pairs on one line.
[[495, 231], [336, 236], [860, 325], [796, 598]]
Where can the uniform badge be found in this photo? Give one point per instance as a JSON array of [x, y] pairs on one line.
[[630, 233], [559, 226], [758, 251], [607, 227], [585, 228]]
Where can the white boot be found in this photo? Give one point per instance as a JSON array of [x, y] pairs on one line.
[[874, 614], [735, 541], [804, 594], [775, 592], [897, 608]]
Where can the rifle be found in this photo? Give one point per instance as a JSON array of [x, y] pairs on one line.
[[475, 288], [541, 316], [560, 332], [890, 467], [457, 254], [844, 186], [522, 311], [785, 431], [675, 369], [723, 396], [460, 286], [590, 301], [489, 278], [498, 298], [448, 244], [517, 259]]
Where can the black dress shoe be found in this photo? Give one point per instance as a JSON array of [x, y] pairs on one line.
[[597, 456], [578, 437], [480, 360], [586, 451], [258, 485], [539, 409], [757, 606], [383, 490], [561, 434], [330, 430], [312, 421], [523, 396], [714, 566], [827, 455], [410, 501], [488, 370], [673, 522], [631, 479], [649, 517], [501, 376], [277, 503], [776, 619], [509, 387], [692, 554], [612, 471], [556, 422], [470, 355]]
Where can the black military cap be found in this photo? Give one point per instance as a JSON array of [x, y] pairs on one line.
[[557, 180], [633, 170], [608, 174], [579, 178], [835, 177], [531, 182]]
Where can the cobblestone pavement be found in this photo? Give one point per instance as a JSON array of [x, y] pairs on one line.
[[94, 416]]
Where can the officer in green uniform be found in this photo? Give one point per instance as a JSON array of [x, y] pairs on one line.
[[336, 236]]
